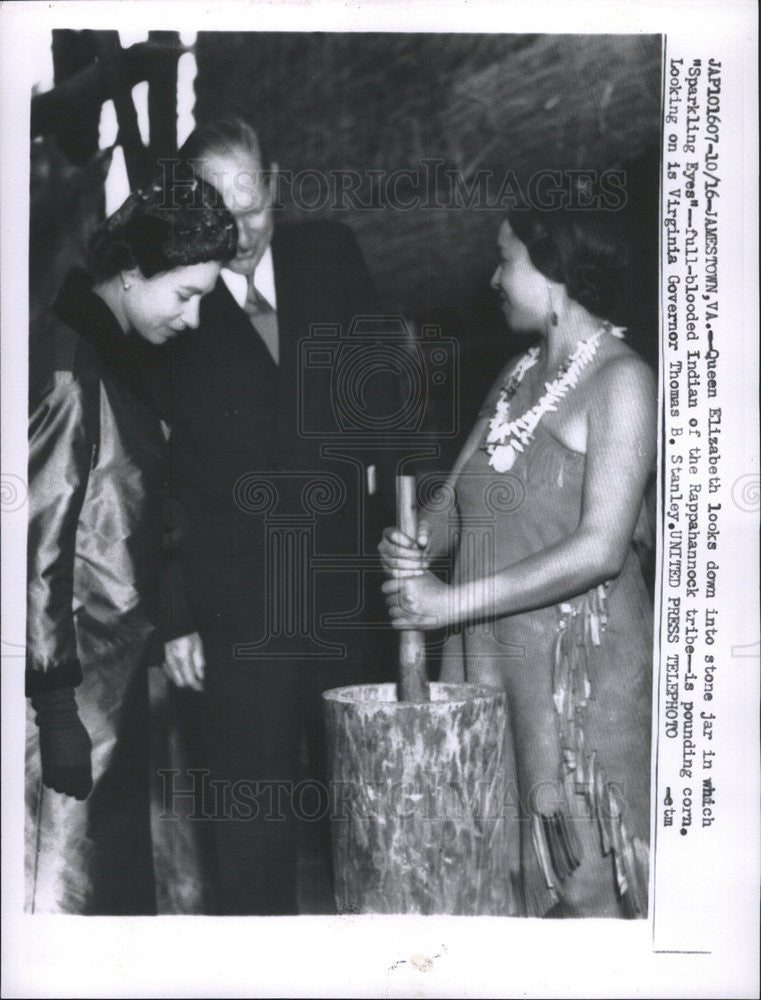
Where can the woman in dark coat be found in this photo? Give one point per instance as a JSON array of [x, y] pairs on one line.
[[96, 473]]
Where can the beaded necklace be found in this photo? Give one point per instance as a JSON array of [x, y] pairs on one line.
[[508, 437]]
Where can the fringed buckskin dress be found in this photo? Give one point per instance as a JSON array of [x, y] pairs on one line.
[[578, 679]]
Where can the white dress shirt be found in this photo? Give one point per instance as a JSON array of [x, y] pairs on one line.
[[264, 281]]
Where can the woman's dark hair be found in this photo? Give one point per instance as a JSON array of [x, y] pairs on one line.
[[585, 250], [173, 222]]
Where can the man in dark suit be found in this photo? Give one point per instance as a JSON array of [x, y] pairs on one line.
[[285, 486]]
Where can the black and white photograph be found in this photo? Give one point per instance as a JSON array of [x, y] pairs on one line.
[[380, 481]]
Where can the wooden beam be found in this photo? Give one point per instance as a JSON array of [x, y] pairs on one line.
[[110, 55], [162, 96], [62, 106], [72, 51]]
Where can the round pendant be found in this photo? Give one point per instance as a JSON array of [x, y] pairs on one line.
[[503, 457]]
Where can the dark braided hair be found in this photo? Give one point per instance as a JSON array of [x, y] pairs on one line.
[[172, 222]]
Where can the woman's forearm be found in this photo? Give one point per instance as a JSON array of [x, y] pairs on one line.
[[555, 574], [620, 453]]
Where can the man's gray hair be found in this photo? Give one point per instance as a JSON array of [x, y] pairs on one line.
[[222, 137]]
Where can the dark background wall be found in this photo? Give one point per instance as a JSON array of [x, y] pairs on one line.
[[505, 105], [485, 112]]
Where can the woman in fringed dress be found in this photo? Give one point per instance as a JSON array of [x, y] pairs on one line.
[[544, 509]]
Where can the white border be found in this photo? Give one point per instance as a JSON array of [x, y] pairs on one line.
[[332, 956]]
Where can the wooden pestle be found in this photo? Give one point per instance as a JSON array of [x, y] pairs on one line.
[[413, 682]]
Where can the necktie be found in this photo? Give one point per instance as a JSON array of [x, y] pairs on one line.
[[264, 320]]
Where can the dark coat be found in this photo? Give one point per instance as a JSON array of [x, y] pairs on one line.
[[96, 468], [270, 462], [270, 465]]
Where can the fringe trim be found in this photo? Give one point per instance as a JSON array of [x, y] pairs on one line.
[[580, 629]]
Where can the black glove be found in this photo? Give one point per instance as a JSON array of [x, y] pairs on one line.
[[64, 743]]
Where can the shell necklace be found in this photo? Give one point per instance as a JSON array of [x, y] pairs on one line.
[[507, 437]]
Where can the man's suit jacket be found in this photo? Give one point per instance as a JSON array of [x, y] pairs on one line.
[[269, 464]]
